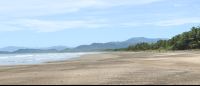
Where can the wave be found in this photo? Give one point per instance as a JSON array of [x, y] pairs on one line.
[[17, 59], [4, 57]]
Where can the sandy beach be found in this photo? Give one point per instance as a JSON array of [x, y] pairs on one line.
[[112, 68]]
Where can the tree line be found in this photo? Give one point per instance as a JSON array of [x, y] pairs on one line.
[[185, 41]]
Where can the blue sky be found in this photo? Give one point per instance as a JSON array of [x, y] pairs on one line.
[[45, 23]]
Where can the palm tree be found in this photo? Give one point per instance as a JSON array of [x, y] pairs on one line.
[[195, 35]]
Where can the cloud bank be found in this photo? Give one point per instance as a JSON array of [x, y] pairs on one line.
[[166, 22], [177, 21], [47, 26], [45, 7]]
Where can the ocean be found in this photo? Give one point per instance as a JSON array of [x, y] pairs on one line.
[[37, 58]]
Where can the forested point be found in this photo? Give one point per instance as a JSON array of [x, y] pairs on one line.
[[185, 41]]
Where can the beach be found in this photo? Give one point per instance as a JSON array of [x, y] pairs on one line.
[[109, 68]]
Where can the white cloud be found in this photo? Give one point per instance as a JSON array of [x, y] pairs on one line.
[[131, 24], [167, 22], [178, 5], [195, 5], [38, 4], [4, 27], [44, 7], [177, 21], [47, 26]]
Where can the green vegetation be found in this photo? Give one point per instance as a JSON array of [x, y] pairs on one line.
[[185, 41], [121, 49]]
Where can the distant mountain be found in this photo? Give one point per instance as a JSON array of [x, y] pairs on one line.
[[36, 51], [115, 45], [97, 46], [55, 47], [93, 46], [11, 48], [143, 39], [4, 52]]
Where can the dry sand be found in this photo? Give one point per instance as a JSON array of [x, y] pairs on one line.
[[109, 68]]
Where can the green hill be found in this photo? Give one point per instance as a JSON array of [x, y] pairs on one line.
[[185, 41]]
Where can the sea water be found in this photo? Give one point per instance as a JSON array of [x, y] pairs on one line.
[[36, 58]]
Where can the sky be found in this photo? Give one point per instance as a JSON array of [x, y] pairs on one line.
[[45, 23]]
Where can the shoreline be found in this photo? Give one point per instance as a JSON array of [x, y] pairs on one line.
[[34, 63], [129, 68]]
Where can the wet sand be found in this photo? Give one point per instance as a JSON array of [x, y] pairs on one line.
[[129, 68]]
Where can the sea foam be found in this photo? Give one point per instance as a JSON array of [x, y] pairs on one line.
[[36, 58]]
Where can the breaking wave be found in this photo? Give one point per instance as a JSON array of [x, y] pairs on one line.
[[36, 58]]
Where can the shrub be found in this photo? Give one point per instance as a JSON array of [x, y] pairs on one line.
[[170, 48], [161, 48]]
